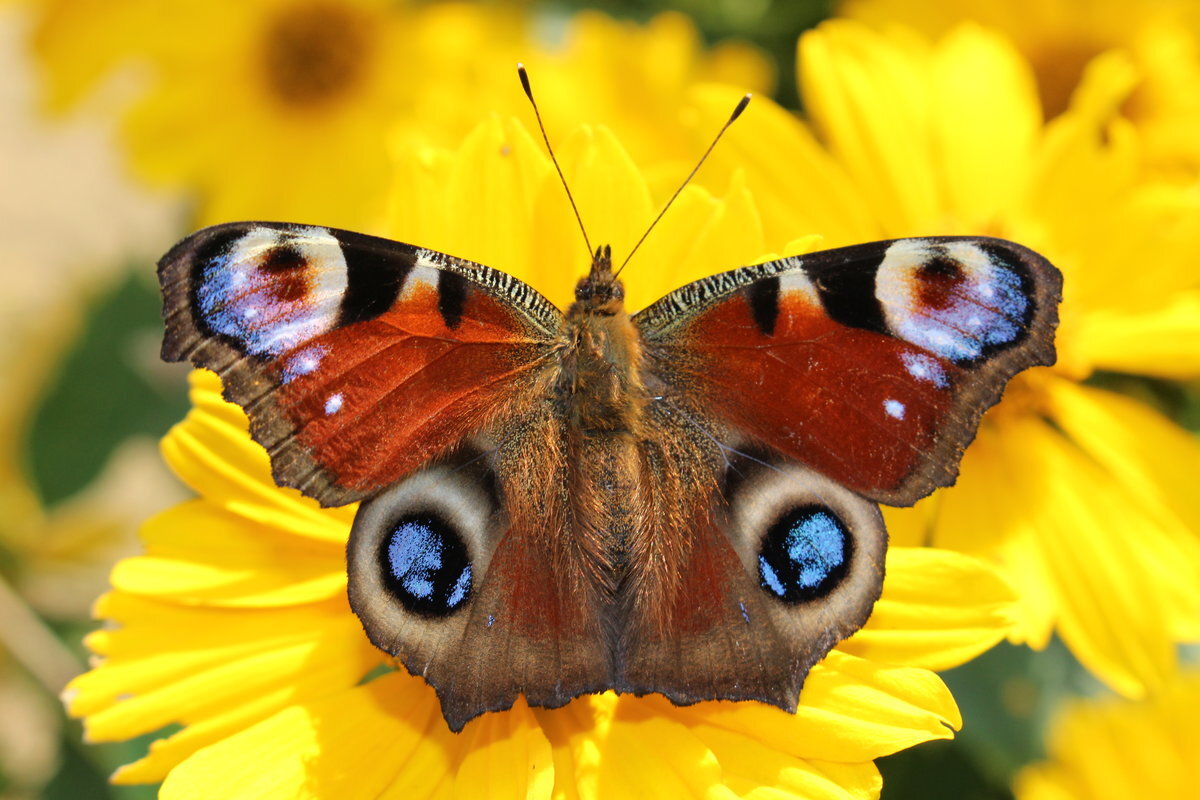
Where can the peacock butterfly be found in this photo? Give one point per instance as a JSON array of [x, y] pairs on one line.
[[680, 501]]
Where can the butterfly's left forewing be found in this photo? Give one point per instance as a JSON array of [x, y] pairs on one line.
[[357, 359]]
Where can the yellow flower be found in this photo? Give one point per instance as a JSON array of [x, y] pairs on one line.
[[235, 623], [1111, 749], [1084, 496], [1062, 38], [281, 109]]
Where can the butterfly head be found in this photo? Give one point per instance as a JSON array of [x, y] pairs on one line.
[[600, 291]]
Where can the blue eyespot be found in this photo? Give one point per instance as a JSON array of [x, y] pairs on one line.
[[426, 566], [805, 554]]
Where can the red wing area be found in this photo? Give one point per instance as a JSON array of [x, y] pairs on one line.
[[872, 364], [842, 400], [357, 359], [389, 394]]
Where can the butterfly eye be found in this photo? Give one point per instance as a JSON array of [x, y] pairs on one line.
[[425, 565], [805, 554]]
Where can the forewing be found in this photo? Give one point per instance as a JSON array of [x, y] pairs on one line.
[[870, 364], [357, 359]]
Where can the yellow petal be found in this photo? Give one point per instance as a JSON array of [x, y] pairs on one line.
[[356, 743], [1163, 341], [490, 196], [505, 756], [813, 195], [699, 236], [939, 609], [1113, 612], [200, 553], [613, 202], [158, 643], [173, 689], [1154, 463], [850, 710], [976, 517], [212, 452], [987, 119], [846, 69]]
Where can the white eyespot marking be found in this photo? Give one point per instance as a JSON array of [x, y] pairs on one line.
[[954, 299], [894, 408], [274, 289], [304, 362], [333, 404], [925, 368]]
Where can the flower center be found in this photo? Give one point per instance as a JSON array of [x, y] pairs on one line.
[[315, 52]]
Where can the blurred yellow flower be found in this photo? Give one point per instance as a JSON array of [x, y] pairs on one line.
[[1062, 38], [235, 623], [1113, 750], [1086, 497], [281, 109]]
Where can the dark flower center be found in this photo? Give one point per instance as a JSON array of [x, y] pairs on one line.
[[315, 52]]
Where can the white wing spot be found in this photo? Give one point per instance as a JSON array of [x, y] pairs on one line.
[[894, 408], [333, 404]]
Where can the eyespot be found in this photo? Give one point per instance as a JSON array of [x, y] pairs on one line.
[[805, 554], [812, 549], [959, 300], [420, 550], [425, 565]]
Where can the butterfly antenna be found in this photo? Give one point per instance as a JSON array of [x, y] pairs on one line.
[[737, 112], [546, 139]]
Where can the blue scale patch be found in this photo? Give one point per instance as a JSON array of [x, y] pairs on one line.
[[805, 554], [425, 565], [990, 312], [268, 296]]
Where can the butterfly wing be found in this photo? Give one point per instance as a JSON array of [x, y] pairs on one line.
[[871, 364], [797, 392], [357, 359], [378, 371]]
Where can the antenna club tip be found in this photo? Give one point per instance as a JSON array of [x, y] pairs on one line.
[[741, 106], [524, 80]]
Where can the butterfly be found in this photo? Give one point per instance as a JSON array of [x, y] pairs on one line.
[[680, 501]]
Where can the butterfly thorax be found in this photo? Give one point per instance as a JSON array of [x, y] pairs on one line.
[[601, 356]]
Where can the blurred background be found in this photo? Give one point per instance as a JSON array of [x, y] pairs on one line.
[[113, 119]]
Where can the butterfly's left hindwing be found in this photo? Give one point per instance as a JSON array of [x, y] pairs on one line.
[[417, 382], [871, 364], [357, 359]]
